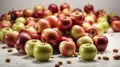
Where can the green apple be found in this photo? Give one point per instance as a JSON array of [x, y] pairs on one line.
[[102, 18], [88, 51], [42, 51], [83, 40], [20, 19], [18, 26], [99, 27], [105, 25], [3, 31], [29, 46]]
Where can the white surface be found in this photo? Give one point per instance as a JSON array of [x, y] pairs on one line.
[[108, 5], [19, 60]]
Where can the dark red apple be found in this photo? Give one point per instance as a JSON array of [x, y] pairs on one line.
[[39, 14], [101, 42], [88, 8], [100, 13], [10, 38], [5, 16], [116, 25], [64, 6], [15, 14], [65, 23], [53, 8]]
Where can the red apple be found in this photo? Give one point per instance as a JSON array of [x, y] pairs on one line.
[[91, 17], [116, 26], [53, 21], [47, 13], [10, 38], [100, 13], [51, 36], [66, 11], [21, 40], [101, 42], [53, 8], [64, 6], [38, 7], [28, 12], [15, 14], [5, 16], [65, 38], [5, 23], [41, 25], [88, 8], [93, 31], [65, 23], [30, 23], [67, 47], [39, 14]]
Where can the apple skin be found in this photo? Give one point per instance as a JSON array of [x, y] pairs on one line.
[[47, 13], [20, 42], [29, 46], [91, 17], [64, 6], [18, 26], [67, 48], [5, 16], [99, 27], [20, 19], [88, 8], [42, 52], [65, 23], [15, 14], [38, 7], [51, 36], [77, 31], [4, 31], [53, 8], [5, 23], [105, 25], [39, 14], [84, 40], [53, 21], [101, 42], [10, 38], [88, 52], [116, 26], [28, 12]]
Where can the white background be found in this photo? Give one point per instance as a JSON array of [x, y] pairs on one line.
[[108, 5]]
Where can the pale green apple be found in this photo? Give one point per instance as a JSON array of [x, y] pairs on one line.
[[99, 27], [29, 46], [20, 19], [42, 51], [105, 25], [18, 26]]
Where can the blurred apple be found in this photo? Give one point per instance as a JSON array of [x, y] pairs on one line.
[[116, 26], [88, 8], [18, 26], [42, 52], [64, 6], [5, 24], [29, 46], [28, 12], [20, 19], [99, 28], [38, 7], [39, 14], [53, 8], [91, 17], [47, 13], [105, 25]]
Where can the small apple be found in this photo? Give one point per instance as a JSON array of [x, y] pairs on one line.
[[65, 23], [88, 51], [53, 8], [38, 7], [42, 52], [88, 8], [20, 19], [67, 47], [101, 42], [116, 26], [29, 46], [77, 31], [10, 38], [83, 40], [5, 23], [51, 36], [64, 6], [39, 14], [28, 12], [4, 31], [18, 26]]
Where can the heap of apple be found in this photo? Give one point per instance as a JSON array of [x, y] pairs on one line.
[[39, 32]]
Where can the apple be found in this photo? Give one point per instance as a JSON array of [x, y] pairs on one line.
[[92, 31], [99, 28], [101, 42], [83, 40], [10, 38], [20, 19], [39, 14], [18, 26], [77, 31], [47, 13], [86, 24], [51, 36], [22, 38], [53, 21], [88, 51], [102, 19], [64, 6], [77, 17], [65, 23], [5, 16], [28, 12], [65, 38], [42, 24], [42, 51], [67, 47], [91, 17], [4, 31], [115, 26], [88, 8], [105, 25], [100, 13], [5, 23], [15, 14], [53, 8], [38, 7], [66, 11], [30, 22], [29, 46]]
